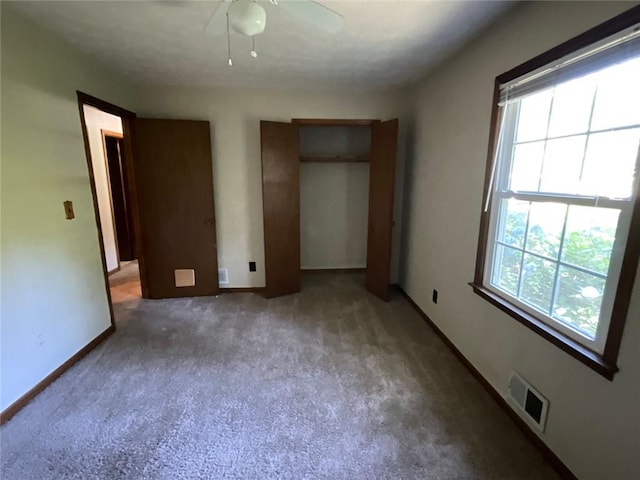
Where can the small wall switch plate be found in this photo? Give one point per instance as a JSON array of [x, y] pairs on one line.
[[68, 210], [252, 266], [185, 277]]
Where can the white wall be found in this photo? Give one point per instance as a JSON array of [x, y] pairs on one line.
[[97, 121], [334, 198], [331, 141], [235, 116], [53, 290], [593, 424], [334, 210]]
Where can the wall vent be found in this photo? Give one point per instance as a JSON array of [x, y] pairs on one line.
[[223, 276], [528, 400], [185, 277]]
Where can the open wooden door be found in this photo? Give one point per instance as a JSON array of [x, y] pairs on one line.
[[281, 207], [382, 174], [174, 190]]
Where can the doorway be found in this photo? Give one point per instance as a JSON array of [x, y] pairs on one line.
[[104, 127], [120, 207], [152, 185], [124, 281]]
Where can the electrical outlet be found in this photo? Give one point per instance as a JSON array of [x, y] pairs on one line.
[[434, 297], [252, 266]]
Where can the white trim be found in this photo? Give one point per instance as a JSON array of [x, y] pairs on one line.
[[498, 191]]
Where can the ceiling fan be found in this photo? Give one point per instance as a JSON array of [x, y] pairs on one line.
[[249, 18]]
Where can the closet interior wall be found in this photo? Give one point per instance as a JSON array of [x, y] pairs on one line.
[[334, 196]]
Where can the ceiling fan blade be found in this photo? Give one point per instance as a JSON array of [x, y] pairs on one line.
[[314, 13], [217, 23]]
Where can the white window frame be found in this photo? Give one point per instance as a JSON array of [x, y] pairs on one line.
[[501, 192]]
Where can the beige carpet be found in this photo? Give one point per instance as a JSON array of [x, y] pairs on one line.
[[327, 384]]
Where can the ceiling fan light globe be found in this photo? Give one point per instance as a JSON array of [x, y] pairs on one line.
[[247, 18]]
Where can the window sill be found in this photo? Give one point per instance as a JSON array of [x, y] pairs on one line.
[[579, 352]]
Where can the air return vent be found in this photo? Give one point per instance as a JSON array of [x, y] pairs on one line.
[[531, 404], [223, 276], [185, 277]]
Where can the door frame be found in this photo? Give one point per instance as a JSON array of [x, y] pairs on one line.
[[126, 116]]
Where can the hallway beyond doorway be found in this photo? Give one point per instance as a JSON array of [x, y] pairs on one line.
[[125, 283]]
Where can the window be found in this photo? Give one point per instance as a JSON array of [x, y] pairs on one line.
[[558, 246]]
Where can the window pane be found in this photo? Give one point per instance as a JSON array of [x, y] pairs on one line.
[[589, 237], [618, 98], [571, 107], [545, 228], [562, 165], [506, 268], [610, 163], [579, 299], [513, 222], [527, 163], [534, 116], [537, 282]]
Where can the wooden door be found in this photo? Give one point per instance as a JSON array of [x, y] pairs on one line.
[[174, 188], [281, 207], [382, 174], [119, 206]]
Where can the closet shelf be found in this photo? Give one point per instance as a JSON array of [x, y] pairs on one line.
[[334, 158]]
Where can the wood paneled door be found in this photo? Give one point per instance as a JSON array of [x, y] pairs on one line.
[[382, 174], [174, 190], [281, 207]]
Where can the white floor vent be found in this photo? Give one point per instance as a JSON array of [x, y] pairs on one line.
[[223, 276], [531, 404]]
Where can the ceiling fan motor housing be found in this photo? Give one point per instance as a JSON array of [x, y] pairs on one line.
[[247, 17]]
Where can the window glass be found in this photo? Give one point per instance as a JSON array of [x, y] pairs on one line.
[[567, 174], [527, 165], [589, 237], [534, 116], [618, 99], [571, 111], [609, 163], [579, 299], [507, 271], [544, 234], [562, 165], [514, 223], [537, 281]]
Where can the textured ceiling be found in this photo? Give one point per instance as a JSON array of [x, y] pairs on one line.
[[383, 44]]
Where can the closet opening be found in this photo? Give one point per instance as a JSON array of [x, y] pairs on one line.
[[334, 199], [328, 200]]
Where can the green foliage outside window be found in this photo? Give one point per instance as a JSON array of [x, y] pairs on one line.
[[578, 295]]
